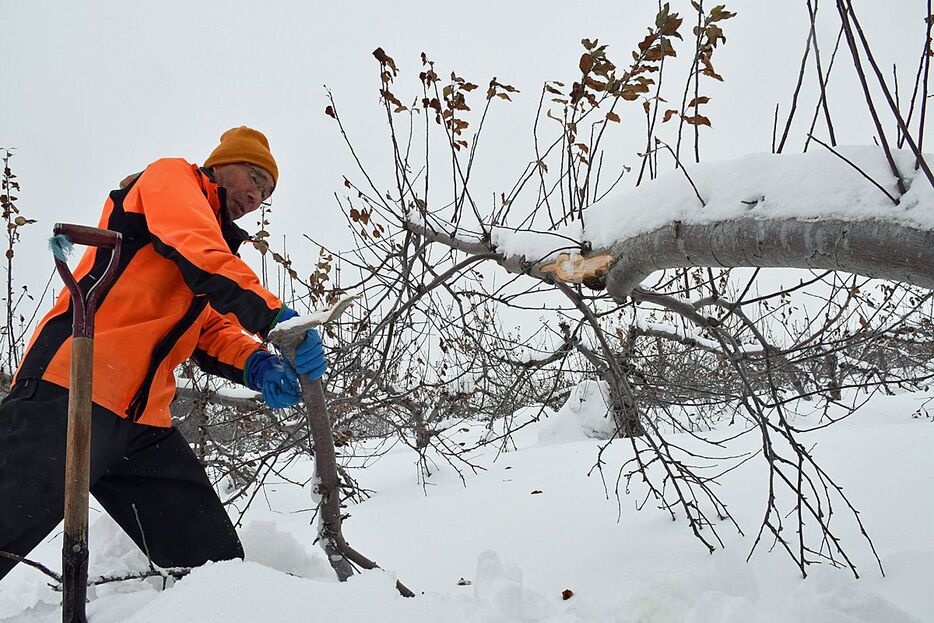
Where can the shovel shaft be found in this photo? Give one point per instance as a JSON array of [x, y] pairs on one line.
[[77, 458], [77, 477]]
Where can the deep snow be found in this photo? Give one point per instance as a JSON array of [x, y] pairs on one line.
[[520, 550]]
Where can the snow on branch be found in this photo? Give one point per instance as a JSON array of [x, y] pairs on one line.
[[812, 211], [683, 336]]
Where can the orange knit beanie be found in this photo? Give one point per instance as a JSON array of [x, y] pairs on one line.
[[244, 144]]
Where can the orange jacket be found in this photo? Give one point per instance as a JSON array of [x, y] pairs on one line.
[[181, 291]]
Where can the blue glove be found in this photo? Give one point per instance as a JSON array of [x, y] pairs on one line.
[[287, 314], [309, 356], [265, 372]]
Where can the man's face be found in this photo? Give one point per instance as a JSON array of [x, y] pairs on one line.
[[247, 187]]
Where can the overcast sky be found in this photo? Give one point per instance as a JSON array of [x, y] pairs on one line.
[[93, 91]]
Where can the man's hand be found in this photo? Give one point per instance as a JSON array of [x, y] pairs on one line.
[[309, 357], [278, 382]]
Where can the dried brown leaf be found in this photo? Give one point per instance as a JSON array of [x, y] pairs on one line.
[[586, 63], [697, 120]]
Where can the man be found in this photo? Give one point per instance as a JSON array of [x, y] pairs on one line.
[[181, 292]]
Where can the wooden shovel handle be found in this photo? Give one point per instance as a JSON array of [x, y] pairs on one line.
[[88, 236], [85, 304], [77, 483], [78, 449]]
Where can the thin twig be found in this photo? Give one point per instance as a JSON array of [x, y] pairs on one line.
[[797, 91], [893, 105], [924, 91], [821, 77], [857, 64], [775, 127], [142, 535], [852, 164], [683, 170], [31, 563]]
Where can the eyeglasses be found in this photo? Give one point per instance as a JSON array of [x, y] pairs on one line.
[[260, 181]]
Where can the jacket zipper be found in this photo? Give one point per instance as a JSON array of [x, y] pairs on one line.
[[160, 352]]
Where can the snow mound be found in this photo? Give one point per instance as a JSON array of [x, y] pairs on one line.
[[829, 597], [265, 544], [111, 551], [499, 587], [585, 415]]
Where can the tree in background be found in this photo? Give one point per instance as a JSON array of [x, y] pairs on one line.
[[16, 324]]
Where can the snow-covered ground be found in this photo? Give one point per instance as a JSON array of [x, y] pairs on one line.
[[520, 550]]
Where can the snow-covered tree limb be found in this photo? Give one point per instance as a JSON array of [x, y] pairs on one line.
[[872, 248]]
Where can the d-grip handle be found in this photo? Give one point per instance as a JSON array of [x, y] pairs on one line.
[[85, 304], [88, 236]]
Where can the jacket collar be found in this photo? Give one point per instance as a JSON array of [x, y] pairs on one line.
[[214, 193], [234, 235]]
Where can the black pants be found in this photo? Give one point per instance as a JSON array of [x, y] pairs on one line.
[[151, 469]]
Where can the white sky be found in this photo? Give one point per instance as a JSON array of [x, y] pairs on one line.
[[95, 90]]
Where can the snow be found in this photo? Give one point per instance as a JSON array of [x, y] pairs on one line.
[[521, 549], [585, 415], [817, 185], [535, 245], [264, 543], [677, 332], [313, 319]]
